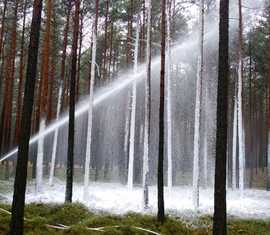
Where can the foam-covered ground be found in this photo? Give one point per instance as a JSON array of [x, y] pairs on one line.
[[116, 198]]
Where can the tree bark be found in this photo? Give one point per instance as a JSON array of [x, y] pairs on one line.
[[21, 75], [220, 214], [161, 210], [17, 218], [71, 127], [44, 89], [241, 139], [2, 30], [147, 106], [198, 104], [104, 67], [79, 59], [90, 108], [64, 54]]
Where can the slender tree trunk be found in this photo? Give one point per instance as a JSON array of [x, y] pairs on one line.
[[71, 127], [59, 104], [169, 100], [55, 138], [147, 106], [161, 211], [220, 214], [251, 144], [9, 85], [79, 59], [234, 149], [2, 30], [240, 104], [21, 75], [17, 218], [53, 64], [104, 67], [129, 34], [142, 42], [111, 49], [90, 108], [268, 147], [40, 158], [133, 111], [64, 54], [2, 34], [44, 83], [197, 141]]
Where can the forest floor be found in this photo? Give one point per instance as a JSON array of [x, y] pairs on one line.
[[117, 199], [76, 219]]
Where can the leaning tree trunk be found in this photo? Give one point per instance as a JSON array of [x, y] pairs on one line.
[[161, 211], [71, 127], [17, 218], [220, 214]]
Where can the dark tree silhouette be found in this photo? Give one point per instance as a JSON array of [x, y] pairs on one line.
[[70, 154], [16, 226], [220, 215], [161, 213]]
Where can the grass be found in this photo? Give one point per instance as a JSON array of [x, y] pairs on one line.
[[79, 219]]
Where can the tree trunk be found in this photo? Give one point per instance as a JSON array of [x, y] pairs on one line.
[[17, 218], [79, 59], [44, 83], [55, 137], [169, 101], [71, 127], [268, 147], [9, 85], [220, 214], [197, 141], [64, 54], [234, 149], [2, 33], [161, 211], [147, 106], [104, 67], [21, 75], [240, 104], [2, 30], [90, 108], [133, 111]]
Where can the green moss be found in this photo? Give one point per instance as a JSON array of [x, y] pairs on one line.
[[249, 227], [80, 220], [69, 214]]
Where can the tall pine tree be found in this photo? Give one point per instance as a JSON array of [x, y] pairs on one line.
[[220, 214], [16, 225]]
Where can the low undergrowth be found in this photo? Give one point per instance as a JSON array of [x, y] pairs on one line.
[[75, 219]]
